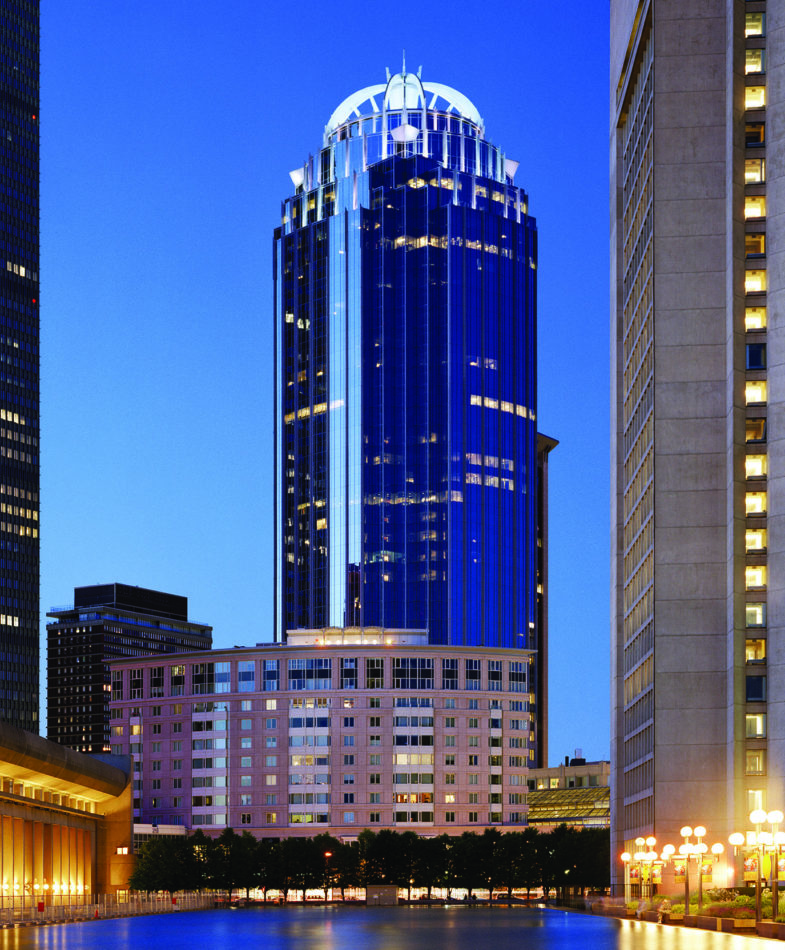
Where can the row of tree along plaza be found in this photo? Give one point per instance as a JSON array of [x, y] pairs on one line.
[[471, 866]]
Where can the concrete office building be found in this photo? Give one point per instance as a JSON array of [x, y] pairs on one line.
[[105, 621], [697, 354]]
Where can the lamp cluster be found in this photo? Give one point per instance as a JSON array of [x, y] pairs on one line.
[[762, 847], [763, 851], [646, 866]]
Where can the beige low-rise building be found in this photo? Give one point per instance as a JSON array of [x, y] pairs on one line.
[[334, 731]]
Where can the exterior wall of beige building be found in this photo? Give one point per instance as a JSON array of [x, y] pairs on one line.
[[335, 731], [65, 822], [698, 435]]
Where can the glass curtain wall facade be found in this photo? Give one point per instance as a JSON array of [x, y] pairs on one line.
[[406, 444], [19, 467]]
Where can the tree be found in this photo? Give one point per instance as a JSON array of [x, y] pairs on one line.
[[431, 862], [328, 847], [167, 864], [524, 864], [492, 868], [346, 862], [593, 859], [465, 858], [233, 861], [559, 859]]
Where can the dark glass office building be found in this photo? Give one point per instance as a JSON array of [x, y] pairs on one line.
[[107, 621], [406, 443], [19, 503]]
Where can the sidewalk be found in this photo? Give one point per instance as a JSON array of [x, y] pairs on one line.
[[25, 913], [761, 928]]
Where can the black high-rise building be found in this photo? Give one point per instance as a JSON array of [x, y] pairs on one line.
[[105, 622], [19, 300]]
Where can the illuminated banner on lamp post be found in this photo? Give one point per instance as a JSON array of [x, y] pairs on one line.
[[656, 874], [635, 874], [680, 870], [706, 867], [751, 868]]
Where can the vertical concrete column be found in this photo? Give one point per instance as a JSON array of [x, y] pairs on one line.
[[73, 879], [37, 865], [775, 257], [6, 859], [17, 844], [26, 876], [46, 859]]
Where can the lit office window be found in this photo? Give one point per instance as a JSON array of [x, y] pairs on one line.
[[754, 281], [755, 762], [755, 392], [754, 171], [755, 206], [755, 539], [754, 97], [754, 61], [755, 725], [754, 24], [755, 466], [755, 318], [755, 576], [755, 616]]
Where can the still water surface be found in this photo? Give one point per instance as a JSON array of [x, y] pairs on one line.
[[372, 928]]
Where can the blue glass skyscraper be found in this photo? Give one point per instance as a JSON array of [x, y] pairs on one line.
[[406, 443]]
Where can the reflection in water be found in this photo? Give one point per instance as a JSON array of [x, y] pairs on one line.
[[374, 928], [634, 935]]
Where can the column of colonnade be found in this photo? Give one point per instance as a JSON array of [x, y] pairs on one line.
[[45, 861]]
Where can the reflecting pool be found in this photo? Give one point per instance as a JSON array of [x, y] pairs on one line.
[[371, 928]]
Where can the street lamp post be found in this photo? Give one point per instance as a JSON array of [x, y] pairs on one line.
[[767, 841], [685, 849], [327, 856], [761, 842], [757, 818], [643, 862], [778, 839], [696, 851]]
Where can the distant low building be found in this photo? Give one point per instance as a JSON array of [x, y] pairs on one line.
[[65, 821], [575, 793], [107, 621]]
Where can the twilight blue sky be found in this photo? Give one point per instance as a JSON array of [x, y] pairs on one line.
[[167, 133]]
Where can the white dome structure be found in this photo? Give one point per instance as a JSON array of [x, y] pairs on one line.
[[403, 92]]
